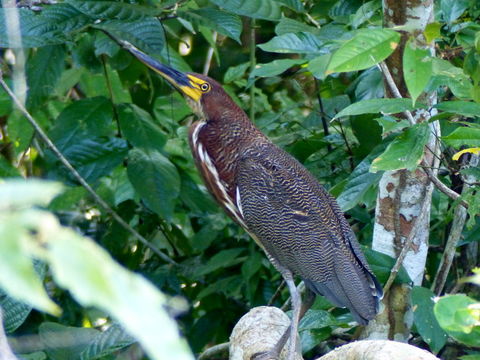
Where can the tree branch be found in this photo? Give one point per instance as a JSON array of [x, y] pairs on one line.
[[215, 352], [77, 176], [433, 178]]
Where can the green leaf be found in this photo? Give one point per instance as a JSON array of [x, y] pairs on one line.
[[405, 152], [112, 10], [382, 264], [139, 128], [424, 319], [316, 319], [44, 69], [417, 69], [107, 342], [92, 157], [452, 9], [360, 181], [463, 136], [49, 28], [130, 299], [372, 106], [221, 259], [17, 275], [155, 179], [7, 169], [235, 72], [302, 42], [391, 124], [445, 73], [458, 315], [14, 312], [65, 342], [464, 108], [295, 5], [20, 193], [274, 68], [266, 9], [365, 12], [287, 25], [146, 34], [221, 21], [318, 66], [365, 49]]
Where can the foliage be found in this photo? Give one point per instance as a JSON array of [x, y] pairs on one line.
[[126, 133]]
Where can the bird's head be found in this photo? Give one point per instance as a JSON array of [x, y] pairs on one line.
[[206, 97]]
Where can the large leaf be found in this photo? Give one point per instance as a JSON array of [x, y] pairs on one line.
[[302, 42], [48, 28], [146, 34], [274, 68], [417, 69], [463, 136], [382, 264], [359, 181], [155, 179], [86, 116], [287, 25], [43, 70], [293, 4], [225, 23], [365, 49], [384, 106], [405, 152], [445, 73], [107, 342], [452, 9], [87, 270], [18, 277], [97, 156], [139, 128], [112, 10], [65, 342], [424, 318], [458, 315], [265, 9], [464, 108]]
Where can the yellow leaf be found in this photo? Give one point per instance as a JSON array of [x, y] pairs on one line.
[[475, 150]]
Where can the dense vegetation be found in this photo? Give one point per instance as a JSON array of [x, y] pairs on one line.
[[305, 72]]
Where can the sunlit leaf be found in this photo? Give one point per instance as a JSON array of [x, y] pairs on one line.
[[417, 69], [424, 318], [405, 152], [365, 49]]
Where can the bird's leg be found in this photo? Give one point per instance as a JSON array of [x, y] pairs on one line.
[[274, 353], [296, 305]]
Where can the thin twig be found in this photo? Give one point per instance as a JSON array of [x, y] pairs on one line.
[[408, 242], [441, 186], [215, 352], [277, 293], [459, 219], [253, 63], [433, 178], [208, 58], [77, 176], [110, 92], [393, 87]]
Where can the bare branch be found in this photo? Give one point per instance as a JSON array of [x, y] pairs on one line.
[[77, 176]]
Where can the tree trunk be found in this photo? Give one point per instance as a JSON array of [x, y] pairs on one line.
[[404, 197]]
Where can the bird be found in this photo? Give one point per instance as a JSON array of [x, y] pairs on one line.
[[278, 202]]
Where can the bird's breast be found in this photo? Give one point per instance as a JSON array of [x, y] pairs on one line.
[[213, 158]]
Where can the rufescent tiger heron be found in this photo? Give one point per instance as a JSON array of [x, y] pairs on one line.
[[276, 200]]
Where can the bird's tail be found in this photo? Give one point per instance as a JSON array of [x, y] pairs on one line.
[[353, 286]]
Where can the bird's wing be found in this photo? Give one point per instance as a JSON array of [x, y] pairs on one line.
[[300, 226]]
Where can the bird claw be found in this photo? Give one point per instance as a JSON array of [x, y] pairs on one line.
[[265, 355]]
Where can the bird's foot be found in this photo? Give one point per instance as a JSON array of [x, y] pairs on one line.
[[265, 355]]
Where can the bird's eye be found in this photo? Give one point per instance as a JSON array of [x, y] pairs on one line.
[[205, 87]]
